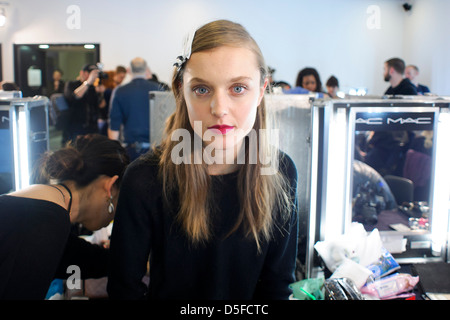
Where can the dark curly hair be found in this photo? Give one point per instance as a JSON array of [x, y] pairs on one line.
[[309, 72], [82, 161]]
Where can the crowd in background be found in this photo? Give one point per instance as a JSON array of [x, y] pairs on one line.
[[92, 105]]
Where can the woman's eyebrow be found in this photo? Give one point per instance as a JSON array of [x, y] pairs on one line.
[[240, 78], [196, 79], [232, 80]]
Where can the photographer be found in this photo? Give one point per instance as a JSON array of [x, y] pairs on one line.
[[130, 108], [83, 99]]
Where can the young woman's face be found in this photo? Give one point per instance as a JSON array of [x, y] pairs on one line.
[[56, 75], [309, 83], [222, 89]]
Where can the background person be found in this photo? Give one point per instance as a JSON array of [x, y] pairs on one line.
[[36, 244], [412, 73], [394, 70], [57, 84], [332, 86], [130, 108], [115, 79], [308, 80], [83, 100]]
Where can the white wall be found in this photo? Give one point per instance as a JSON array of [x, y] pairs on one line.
[[427, 42], [330, 35]]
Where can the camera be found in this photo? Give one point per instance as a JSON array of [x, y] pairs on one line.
[[407, 7], [101, 74], [368, 204]]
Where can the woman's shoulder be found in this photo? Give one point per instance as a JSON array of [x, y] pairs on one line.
[[40, 193], [142, 177], [25, 202], [287, 166], [144, 167], [147, 161]]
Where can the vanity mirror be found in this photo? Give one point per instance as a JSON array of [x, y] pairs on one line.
[[382, 163]]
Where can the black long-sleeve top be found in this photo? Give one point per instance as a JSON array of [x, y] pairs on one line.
[[36, 246], [404, 88], [84, 111], [224, 268]]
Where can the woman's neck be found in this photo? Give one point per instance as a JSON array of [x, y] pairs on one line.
[[221, 169], [75, 205], [223, 161]]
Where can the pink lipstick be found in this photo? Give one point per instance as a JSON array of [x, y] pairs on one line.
[[221, 128]]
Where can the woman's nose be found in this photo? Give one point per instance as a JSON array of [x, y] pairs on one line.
[[219, 105]]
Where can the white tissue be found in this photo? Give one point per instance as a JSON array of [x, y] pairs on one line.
[[355, 245], [353, 271]]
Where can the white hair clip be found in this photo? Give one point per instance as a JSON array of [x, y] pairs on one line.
[[186, 53]]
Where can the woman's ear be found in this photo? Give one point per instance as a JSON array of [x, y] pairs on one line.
[[263, 90], [109, 183]]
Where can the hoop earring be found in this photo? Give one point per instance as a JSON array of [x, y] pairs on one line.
[[110, 206]]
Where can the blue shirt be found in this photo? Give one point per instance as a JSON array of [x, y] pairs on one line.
[[421, 89], [131, 107], [300, 90], [296, 90]]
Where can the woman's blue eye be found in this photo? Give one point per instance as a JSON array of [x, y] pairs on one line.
[[238, 89], [201, 90]]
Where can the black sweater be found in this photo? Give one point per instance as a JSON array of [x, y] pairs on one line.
[[223, 268], [37, 246], [404, 88]]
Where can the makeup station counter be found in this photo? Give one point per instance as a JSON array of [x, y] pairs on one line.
[[381, 164]]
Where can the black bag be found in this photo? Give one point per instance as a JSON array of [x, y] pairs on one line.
[[341, 289]]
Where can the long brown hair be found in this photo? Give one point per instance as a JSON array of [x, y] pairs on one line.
[[259, 194]]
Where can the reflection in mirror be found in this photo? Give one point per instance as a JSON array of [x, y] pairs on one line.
[[392, 171], [391, 179], [347, 191]]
